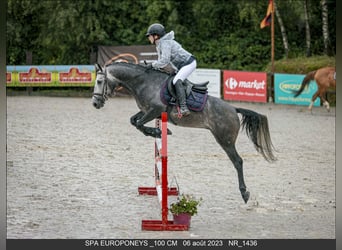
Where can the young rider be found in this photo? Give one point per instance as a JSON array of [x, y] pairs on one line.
[[172, 55]]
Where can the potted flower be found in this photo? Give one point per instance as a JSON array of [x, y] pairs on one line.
[[184, 208]]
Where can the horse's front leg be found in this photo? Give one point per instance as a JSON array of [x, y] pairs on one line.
[[141, 118], [313, 99], [137, 121], [136, 117]]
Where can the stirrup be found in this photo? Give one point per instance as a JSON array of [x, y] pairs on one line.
[[180, 113], [184, 111]]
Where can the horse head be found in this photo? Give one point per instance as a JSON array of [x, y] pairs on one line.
[[111, 78], [101, 90]]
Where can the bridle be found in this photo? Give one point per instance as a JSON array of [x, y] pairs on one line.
[[104, 88]]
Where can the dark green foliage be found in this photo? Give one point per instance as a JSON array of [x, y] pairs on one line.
[[222, 34]]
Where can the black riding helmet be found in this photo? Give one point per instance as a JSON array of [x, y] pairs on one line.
[[156, 29]]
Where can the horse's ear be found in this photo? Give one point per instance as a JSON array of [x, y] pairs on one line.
[[98, 68]]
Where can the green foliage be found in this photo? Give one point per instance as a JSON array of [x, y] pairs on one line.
[[222, 34], [301, 65], [185, 204]]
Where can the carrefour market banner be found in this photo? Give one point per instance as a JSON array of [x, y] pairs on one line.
[[245, 86], [286, 84], [50, 76]]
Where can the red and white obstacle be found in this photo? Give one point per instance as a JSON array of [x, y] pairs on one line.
[[161, 188]]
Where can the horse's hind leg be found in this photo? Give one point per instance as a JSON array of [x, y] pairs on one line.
[[230, 150], [320, 93]]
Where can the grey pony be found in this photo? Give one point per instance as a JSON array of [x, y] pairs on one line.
[[220, 117]]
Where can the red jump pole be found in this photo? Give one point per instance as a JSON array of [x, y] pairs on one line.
[[158, 157], [164, 169], [164, 224]]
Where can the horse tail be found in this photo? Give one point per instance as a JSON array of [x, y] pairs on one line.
[[257, 130], [307, 79]]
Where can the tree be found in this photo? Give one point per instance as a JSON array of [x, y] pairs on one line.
[[222, 34], [24, 23], [71, 31], [325, 29], [282, 29], [307, 29]]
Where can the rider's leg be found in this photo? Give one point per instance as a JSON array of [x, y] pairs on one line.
[[182, 74], [180, 91]]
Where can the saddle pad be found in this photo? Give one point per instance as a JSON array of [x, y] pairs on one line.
[[195, 100]]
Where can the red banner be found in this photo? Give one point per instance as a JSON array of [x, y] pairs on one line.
[[245, 86], [8, 77], [74, 75], [35, 76]]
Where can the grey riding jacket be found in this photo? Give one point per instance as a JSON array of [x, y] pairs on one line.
[[170, 52]]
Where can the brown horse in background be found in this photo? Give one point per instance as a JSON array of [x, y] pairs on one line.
[[325, 78]]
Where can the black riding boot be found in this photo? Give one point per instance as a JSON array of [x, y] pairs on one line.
[[180, 91]]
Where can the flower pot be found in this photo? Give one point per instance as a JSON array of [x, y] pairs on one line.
[[183, 219]]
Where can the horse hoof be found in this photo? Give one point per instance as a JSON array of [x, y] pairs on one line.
[[156, 133], [245, 196]]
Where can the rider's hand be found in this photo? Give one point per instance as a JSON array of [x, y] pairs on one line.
[[149, 66]]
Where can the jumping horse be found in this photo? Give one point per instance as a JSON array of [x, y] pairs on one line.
[[325, 78], [221, 118]]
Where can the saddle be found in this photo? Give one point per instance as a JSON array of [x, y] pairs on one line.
[[188, 85], [196, 94]]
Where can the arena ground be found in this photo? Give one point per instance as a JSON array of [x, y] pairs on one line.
[[74, 172]]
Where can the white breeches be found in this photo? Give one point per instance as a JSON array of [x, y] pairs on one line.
[[185, 71]]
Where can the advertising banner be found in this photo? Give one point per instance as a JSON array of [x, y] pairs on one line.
[[30, 76], [10, 75], [211, 75], [50, 76], [245, 86], [134, 54], [285, 84], [83, 75]]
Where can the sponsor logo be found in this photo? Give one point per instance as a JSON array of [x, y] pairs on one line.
[[290, 87], [8, 77], [33, 75], [232, 83], [74, 75]]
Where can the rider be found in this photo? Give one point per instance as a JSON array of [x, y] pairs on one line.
[[172, 55]]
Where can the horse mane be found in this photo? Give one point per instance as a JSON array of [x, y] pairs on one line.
[[123, 63], [140, 67]]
